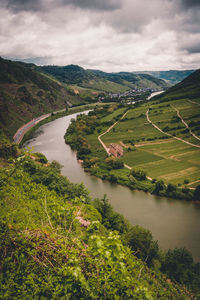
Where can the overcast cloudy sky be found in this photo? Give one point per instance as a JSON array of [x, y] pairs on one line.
[[111, 35]]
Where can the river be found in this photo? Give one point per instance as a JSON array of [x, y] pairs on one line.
[[154, 94], [173, 223]]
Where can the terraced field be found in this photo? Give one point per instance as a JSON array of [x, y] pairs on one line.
[[163, 155]]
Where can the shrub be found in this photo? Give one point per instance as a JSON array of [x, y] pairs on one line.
[[139, 174]]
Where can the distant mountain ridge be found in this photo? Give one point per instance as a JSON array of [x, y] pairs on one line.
[[189, 88], [171, 76], [73, 74]]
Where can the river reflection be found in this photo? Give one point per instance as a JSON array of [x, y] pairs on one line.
[[173, 223]]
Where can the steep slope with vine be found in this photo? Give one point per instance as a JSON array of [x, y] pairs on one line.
[[53, 244]]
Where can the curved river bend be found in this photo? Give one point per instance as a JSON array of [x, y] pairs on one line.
[[173, 223]]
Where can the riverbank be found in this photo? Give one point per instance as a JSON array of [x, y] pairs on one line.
[[98, 162]]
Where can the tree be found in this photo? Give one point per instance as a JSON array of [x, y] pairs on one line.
[[141, 242], [178, 265], [110, 219], [113, 178], [171, 188], [160, 186]]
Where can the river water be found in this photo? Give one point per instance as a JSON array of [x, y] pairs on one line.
[[174, 223], [154, 94]]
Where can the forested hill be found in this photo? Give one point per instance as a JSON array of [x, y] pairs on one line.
[[189, 88], [26, 92], [73, 74]]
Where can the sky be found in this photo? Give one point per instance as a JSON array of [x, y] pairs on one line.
[[110, 35]]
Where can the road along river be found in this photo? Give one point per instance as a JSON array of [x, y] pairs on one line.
[[174, 223]]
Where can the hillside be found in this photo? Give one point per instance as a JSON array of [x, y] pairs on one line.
[[189, 88], [99, 81], [55, 243], [25, 93], [171, 76]]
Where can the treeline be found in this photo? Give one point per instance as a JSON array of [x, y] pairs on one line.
[[55, 242], [96, 162]]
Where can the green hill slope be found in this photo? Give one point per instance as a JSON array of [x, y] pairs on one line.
[[26, 93], [102, 81], [189, 88], [53, 244]]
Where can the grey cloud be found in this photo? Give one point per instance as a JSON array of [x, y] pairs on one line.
[[194, 48], [21, 5], [191, 44], [95, 4], [135, 15], [41, 5], [190, 3]]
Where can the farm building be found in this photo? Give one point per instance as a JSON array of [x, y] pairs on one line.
[[116, 150]]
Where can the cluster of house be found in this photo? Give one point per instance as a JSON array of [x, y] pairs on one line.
[[129, 95]]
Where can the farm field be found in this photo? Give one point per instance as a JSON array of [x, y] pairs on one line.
[[146, 148]]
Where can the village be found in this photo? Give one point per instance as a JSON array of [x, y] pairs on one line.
[[129, 97]]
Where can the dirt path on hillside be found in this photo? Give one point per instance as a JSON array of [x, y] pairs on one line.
[[194, 102], [152, 143], [186, 125], [193, 182], [168, 134], [109, 129]]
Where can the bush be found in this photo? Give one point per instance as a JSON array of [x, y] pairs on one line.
[[114, 163], [41, 158], [139, 174], [8, 150]]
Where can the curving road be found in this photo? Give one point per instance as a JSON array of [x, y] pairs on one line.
[[17, 138], [22, 130]]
